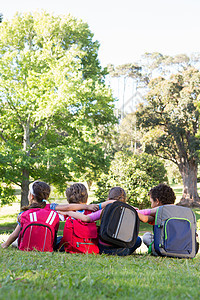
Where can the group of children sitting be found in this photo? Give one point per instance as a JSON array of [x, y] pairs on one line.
[[44, 238]]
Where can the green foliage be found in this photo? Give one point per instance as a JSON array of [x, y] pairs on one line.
[[129, 135], [53, 100], [173, 173], [167, 64], [171, 117], [136, 174], [6, 194], [171, 121], [125, 70]]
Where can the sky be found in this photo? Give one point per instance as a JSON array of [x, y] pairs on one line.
[[126, 29]]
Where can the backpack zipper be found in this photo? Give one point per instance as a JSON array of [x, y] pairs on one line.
[[78, 243]]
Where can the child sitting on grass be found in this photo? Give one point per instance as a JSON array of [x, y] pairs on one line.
[[161, 194], [38, 194], [77, 194], [115, 193]]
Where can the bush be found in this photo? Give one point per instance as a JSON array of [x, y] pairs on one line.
[[136, 174], [6, 194]]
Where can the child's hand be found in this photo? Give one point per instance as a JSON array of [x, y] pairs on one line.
[[93, 207], [4, 246], [151, 220]]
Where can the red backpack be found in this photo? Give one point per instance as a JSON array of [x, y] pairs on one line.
[[39, 228], [80, 237]]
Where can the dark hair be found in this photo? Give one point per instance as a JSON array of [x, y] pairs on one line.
[[163, 193], [117, 193], [41, 191], [77, 193]]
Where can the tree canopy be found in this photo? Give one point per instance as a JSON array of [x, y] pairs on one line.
[[53, 99], [171, 120], [135, 173]]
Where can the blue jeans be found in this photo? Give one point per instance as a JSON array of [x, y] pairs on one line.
[[111, 250]]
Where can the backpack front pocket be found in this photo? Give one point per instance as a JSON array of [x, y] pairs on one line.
[[178, 236]]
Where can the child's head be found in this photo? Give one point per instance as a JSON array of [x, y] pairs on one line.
[[117, 193], [77, 193], [39, 190], [161, 194]]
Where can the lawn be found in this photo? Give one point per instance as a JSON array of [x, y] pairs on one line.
[[75, 276], [78, 276], [34, 275]]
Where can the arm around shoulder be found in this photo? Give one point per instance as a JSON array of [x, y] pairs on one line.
[[75, 206], [145, 218], [103, 204], [76, 215]]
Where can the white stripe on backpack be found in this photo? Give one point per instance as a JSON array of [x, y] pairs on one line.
[[44, 240], [51, 217], [33, 217]]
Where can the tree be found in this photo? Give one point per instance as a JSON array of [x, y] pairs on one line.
[[129, 136], [157, 63], [171, 120], [53, 99], [137, 174], [124, 72]]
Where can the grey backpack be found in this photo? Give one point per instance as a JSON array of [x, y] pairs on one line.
[[175, 231]]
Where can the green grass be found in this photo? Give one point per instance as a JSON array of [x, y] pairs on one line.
[[76, 276], [7, 223], [34, 275]]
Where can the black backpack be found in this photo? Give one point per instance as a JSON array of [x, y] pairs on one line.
[[119, 225]]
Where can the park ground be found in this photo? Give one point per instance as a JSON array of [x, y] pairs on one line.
[[8, 216], [28, 275]]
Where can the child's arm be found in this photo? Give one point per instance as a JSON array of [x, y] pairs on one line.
[[153, 211], [12, 237], [85, 218], [145, 218], [74, 206], [103, 204], [148, 211]]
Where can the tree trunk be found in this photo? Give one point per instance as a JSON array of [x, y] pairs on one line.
[[89, 183], [25, 171], [25, 188], [190, 195]]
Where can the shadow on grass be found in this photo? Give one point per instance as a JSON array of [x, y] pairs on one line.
[[7, 227], [7, 217]]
